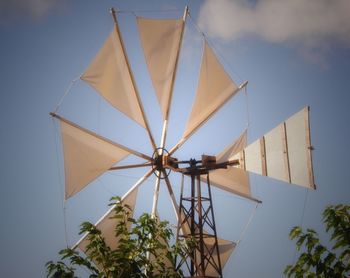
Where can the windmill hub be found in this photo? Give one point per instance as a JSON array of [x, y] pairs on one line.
[[163, 163]]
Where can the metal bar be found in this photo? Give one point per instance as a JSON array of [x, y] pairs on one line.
[[113, 12], [200, 226], [192, 226], [214, 226], [285, 151], [130, 166], [101, 137]]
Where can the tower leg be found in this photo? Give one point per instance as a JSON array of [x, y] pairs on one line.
[[196, 222]]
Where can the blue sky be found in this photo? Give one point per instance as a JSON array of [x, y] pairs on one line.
[[44, 46]]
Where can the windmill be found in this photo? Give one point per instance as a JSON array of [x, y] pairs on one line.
[[284, 153]]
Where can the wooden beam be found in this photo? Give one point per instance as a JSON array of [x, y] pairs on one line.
[[263, 156], [309, 148], [285, 152]]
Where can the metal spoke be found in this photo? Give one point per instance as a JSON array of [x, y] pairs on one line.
[[130, 166]]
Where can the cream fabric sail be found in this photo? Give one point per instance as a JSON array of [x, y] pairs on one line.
[[233, 179], [215, 87], [107, 224], [252, 156], [284, 153], [230, 151], [226, 248], [85, 157], [109, 75], [160, 39]]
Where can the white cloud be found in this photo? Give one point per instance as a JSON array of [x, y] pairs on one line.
[[311, 25], [13, 10]]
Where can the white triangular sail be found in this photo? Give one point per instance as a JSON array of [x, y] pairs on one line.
[[215, 87], [230, 151], [284, 153], [232, 179], [226, 248], [107, 224], [109, 75], [160, 39], [86, 157]]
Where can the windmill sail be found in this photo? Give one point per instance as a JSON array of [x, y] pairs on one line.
[[161, 39], [215, 87], [109, 75], [87, 155], [232, 179], [226, 248], [284, 153]]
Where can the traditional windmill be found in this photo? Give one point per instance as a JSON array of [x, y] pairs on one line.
[[284, 153]]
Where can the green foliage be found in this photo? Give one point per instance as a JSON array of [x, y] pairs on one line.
[[143, 249], [316, 260]]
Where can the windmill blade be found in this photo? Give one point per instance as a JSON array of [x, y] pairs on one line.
[[284, 153], [111, 76], [230, 151], [161, 41], [232, 179], [130, 166], [107, 225], [226, 248], [215, 88], [87, 155]]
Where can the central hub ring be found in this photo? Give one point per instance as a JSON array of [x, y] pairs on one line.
[[158, 163]]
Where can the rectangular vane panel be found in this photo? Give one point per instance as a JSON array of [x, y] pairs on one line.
[[275, 155], [298, 141], [253, 161]]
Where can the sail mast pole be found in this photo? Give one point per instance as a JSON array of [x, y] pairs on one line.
[[113, 12], [167, 113]]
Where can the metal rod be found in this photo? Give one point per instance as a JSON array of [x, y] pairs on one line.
[[130, 166], [214, 226], [192, 227], [200, 226]]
